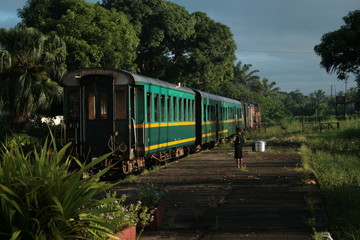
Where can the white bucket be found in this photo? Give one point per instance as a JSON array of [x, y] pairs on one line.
[[260, 146]]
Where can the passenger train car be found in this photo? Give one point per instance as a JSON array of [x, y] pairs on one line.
[[141, 119]]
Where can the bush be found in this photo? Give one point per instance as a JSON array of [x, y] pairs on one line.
[[40, 198]]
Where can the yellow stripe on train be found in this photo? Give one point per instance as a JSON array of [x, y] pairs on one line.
[[168, 144], [168, 124], [214, 133]]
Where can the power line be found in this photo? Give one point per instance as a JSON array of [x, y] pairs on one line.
[[291, 52]]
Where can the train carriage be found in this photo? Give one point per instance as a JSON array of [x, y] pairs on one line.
[[217, 118], [131, 115], [251, 115], [140, 119]]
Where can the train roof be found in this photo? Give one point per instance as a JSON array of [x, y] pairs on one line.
[[121, 77], [216, 97]]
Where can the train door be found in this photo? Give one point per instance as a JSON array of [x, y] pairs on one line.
[[137, 122], [98, 114]]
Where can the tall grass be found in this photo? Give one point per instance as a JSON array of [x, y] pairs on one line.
[[339, 179], [334, 157]]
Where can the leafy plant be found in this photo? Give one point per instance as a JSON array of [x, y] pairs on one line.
[[216, 201], [124, 215], [42, 198], [151, 194]]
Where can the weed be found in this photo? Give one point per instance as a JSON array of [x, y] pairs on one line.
[[131, 179], [216, 201]]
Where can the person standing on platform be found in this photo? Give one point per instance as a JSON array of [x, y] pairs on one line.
[[239, 142]]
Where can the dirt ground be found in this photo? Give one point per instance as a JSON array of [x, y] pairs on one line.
[[211, 199]]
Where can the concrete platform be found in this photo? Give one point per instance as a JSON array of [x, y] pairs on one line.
[[211, 199]]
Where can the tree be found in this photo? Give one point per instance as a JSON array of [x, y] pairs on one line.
[[210, 54], [319, 102], [296, 103], [265, 87], [162, 28], [178, 46], [31, 64], [95, 36], [340, 50], [272, 108], [243, 75]]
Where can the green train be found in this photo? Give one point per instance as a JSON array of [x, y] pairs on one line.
[[141, 119]]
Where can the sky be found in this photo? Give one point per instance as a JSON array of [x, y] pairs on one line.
[[276, 36]]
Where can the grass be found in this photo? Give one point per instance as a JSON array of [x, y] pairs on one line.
[[334, 157]]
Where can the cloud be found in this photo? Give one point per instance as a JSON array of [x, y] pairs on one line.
[[8, 12]]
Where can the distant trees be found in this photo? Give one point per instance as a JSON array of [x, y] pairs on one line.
[[31, 62], [340, 50]]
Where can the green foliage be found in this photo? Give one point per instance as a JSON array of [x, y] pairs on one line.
[[272, 109], [178, 46], [162, 29], [334, 157], [339, 50], [211, 53], [150, 194], [25, 142], [243, 76], [42, 198], [28, 79], [123, 215], [95, 36], [5, 128]]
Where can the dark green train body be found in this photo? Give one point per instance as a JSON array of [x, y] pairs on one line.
[[141, 119]]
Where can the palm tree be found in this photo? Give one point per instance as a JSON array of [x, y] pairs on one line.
[[243, 76], [319, 99], [30, 66], [265, 87]]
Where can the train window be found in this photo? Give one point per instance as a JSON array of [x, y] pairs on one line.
[[190, 110], [193, 110], [213, 113], [91, 106], [73, 105], [185, 109], [103, 106], [156, 108], [169, 108], [208, 113], [163, 108], [204, 112], [120, 105], [175, 106], [180, 109], [149, 107]]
